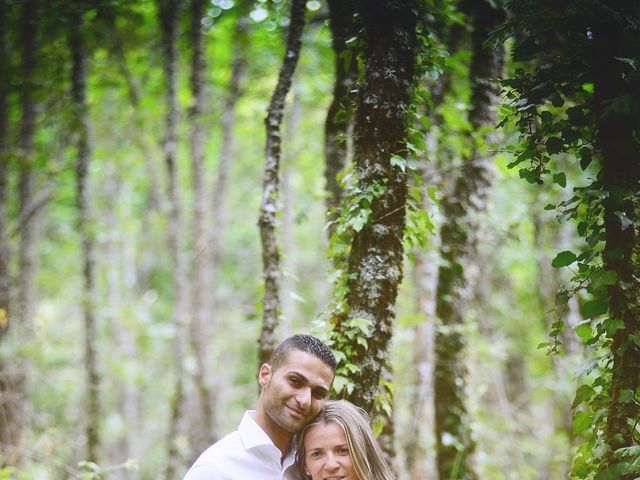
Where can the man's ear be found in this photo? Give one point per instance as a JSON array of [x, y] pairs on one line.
[[264, 375]]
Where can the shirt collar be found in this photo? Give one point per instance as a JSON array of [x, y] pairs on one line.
[[251, 433], [253, 436]]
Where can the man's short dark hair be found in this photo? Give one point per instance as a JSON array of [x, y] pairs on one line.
[[303, 343]]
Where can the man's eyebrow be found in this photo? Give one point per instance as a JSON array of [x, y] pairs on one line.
[[306, 380]]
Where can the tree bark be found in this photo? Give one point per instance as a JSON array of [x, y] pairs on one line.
[[203, 432], [168, 16], [9, 419], [454, 444], [375, 259], [4, 170], [85, 230], [271, 185], [340, 114], [14, 384], [620, 177]]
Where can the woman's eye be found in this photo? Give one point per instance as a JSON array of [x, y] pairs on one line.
[[315, 454], [343, 451]]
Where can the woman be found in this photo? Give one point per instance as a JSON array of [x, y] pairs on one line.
[[339, 442]]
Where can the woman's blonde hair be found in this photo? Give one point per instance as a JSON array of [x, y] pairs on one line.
[[366, 455]]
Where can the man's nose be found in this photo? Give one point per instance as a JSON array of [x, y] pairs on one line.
[[304, 398]]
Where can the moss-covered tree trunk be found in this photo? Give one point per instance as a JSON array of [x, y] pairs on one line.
[[375, 258], [340, 113], [616, 137], [85, 228], [460, 210], [271, 185]]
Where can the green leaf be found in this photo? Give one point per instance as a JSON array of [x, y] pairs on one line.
[[602, 278], [584, 332], [554, 145], [626, 396], [563, 259], [594, 308], [585, 157], [340, 383], [613, 472], [583, 394], [582, 422], [560, 179], [398, 161]]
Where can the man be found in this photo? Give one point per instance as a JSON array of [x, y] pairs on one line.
[[293, 388]]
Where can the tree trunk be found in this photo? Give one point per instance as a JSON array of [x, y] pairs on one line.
[[289, 279], [123, 334], [85, 229], [271, 185], [375, 259], [228, 145], [4, 172], [202, 433], [339, 116], [620, 177], [15, 380], [9, 418], [460, 209], [168, 15]]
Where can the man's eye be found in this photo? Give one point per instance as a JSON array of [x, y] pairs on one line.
[[294, 381], [320, 394]]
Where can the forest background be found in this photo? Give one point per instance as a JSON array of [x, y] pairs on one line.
[[444, 191]]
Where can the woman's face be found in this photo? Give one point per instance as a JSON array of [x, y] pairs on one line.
[[327, 455]]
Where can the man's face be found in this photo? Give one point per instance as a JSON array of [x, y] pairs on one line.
[[294, 393]]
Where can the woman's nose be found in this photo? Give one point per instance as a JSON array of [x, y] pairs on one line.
[[331, 463]]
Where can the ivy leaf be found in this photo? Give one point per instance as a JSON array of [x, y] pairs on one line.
[[626, 396], [582, 422], [613, 472], [583, 394], [398, 161], [560, 179], [563, 259], [554, 145], [585, 157], [584, 332], [594, 308], [625, 222], [602, 278]]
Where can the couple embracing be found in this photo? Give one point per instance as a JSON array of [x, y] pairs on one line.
[[295, 432]]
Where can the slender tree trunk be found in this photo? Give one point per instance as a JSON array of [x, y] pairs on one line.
[[339, 116], [375, 259], [289, 280], [15, 379], [460, 209], [4, 171], [271, 185], [204, 434], [620, 177], [122, 331], [168, 13], [85, 229], [228, 145], [9, 420]]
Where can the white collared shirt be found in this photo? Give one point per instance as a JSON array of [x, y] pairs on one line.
[[246, 454]]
